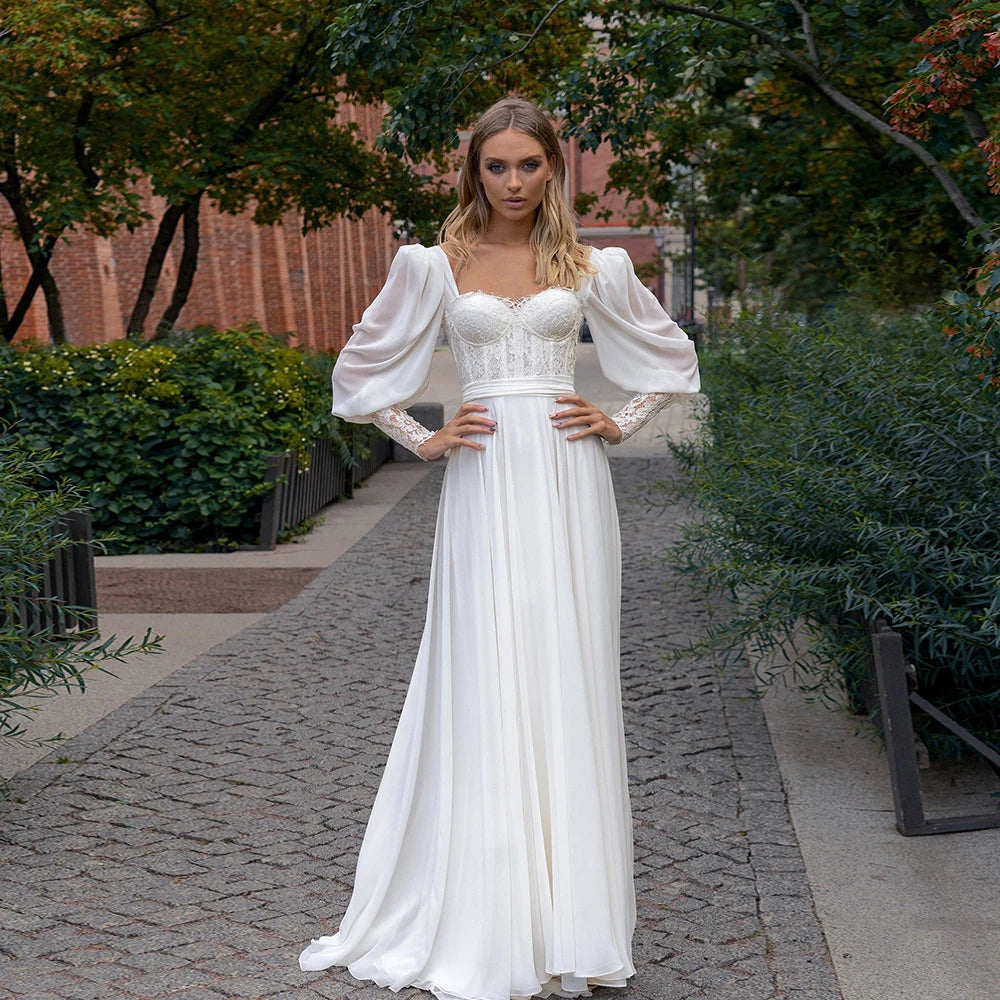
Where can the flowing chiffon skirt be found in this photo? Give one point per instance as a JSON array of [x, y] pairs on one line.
[[497, 861]]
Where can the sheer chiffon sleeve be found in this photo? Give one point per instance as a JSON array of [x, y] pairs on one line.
[[639, 347], [387, 361]]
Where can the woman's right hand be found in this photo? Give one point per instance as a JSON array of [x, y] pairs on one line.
[[454, 434]]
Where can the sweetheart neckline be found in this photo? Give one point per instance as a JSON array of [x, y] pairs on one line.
[[514, 303]]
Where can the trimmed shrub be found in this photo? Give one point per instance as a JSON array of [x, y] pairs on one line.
[[849, 470], [166, 440]]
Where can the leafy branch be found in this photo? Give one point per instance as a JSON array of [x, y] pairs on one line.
[[812, 72]]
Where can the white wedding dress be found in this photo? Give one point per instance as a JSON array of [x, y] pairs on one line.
[[497, 861]]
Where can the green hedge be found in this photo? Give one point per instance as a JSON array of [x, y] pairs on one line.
[[167, 439], [849, 470]]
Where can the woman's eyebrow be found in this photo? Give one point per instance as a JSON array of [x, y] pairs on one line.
[[498, 159]]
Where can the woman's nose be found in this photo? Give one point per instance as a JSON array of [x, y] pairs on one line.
[[514, 181]]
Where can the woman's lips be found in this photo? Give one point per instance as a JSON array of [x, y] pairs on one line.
[[514, 202]]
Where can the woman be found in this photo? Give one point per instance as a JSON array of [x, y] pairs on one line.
[[497, 861]]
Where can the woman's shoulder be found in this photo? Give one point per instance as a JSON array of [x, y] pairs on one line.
[[608, 258], [612, 268], [430, 261], [417, 253]]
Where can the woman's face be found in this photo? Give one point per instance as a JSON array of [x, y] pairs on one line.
[[513, 170]]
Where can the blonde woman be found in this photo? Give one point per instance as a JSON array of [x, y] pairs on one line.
[[497, 862]]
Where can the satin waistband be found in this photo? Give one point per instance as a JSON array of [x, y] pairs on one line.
[[532, 385]]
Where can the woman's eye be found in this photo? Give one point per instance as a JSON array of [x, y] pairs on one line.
[[494, 168], [531, 165]]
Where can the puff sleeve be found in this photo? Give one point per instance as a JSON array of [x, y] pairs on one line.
[[639, 347], [387, 361]]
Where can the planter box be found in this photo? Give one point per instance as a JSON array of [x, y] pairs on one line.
[[66, 599]]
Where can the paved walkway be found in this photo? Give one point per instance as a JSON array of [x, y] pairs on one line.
[[188, 844]]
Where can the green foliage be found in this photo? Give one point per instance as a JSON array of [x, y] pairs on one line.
[[166, 440], [238, 103], [793, 192], [438, 66], [37, 663], [846, 472]]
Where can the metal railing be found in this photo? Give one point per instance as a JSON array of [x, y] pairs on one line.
[[299, 493], [65, 599], [896, 682], [378, 451]]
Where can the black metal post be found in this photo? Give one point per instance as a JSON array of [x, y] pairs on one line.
[[693, 223]]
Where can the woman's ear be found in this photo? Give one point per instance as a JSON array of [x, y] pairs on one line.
[[552, 167]]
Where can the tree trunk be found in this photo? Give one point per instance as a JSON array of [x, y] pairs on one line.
[[187, 269], [974, 124], [39, 268], [154, 268], [918, 14], [4, 314], [39, 254], [53, 306]]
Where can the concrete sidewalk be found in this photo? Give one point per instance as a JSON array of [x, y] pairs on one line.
[[206, 822]]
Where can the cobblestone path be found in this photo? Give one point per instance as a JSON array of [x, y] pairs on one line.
[[191, 843]]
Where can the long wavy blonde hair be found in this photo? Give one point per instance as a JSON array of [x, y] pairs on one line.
[[560, 258]]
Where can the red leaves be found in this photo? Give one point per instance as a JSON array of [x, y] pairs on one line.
[[962, 53], [991, 149], [991, 44], [959, 25]]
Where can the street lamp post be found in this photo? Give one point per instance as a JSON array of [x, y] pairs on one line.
[[695, 160], [691, 264], [661, 283]]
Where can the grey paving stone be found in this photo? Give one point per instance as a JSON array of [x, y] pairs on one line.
[[161, 984], [202, 833]]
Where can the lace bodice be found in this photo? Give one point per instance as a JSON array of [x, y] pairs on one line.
[[494, 339]]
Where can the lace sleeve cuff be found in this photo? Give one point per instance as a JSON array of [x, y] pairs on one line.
[[397, 424], [639, 410]]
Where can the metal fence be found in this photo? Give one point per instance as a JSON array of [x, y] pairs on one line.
[[65, 599], [377, 453], [299, 493]]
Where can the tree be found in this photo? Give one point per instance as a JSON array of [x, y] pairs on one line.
[[237, 103], [255, 126], [436, 67], [799, 167], [223, 100], [53, 174]]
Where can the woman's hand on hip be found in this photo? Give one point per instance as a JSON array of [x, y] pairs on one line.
[[455, 434], [591, 418]]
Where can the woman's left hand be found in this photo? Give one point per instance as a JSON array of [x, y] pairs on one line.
[[591, 418]]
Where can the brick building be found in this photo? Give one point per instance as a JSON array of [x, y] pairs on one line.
[[315, 285]]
